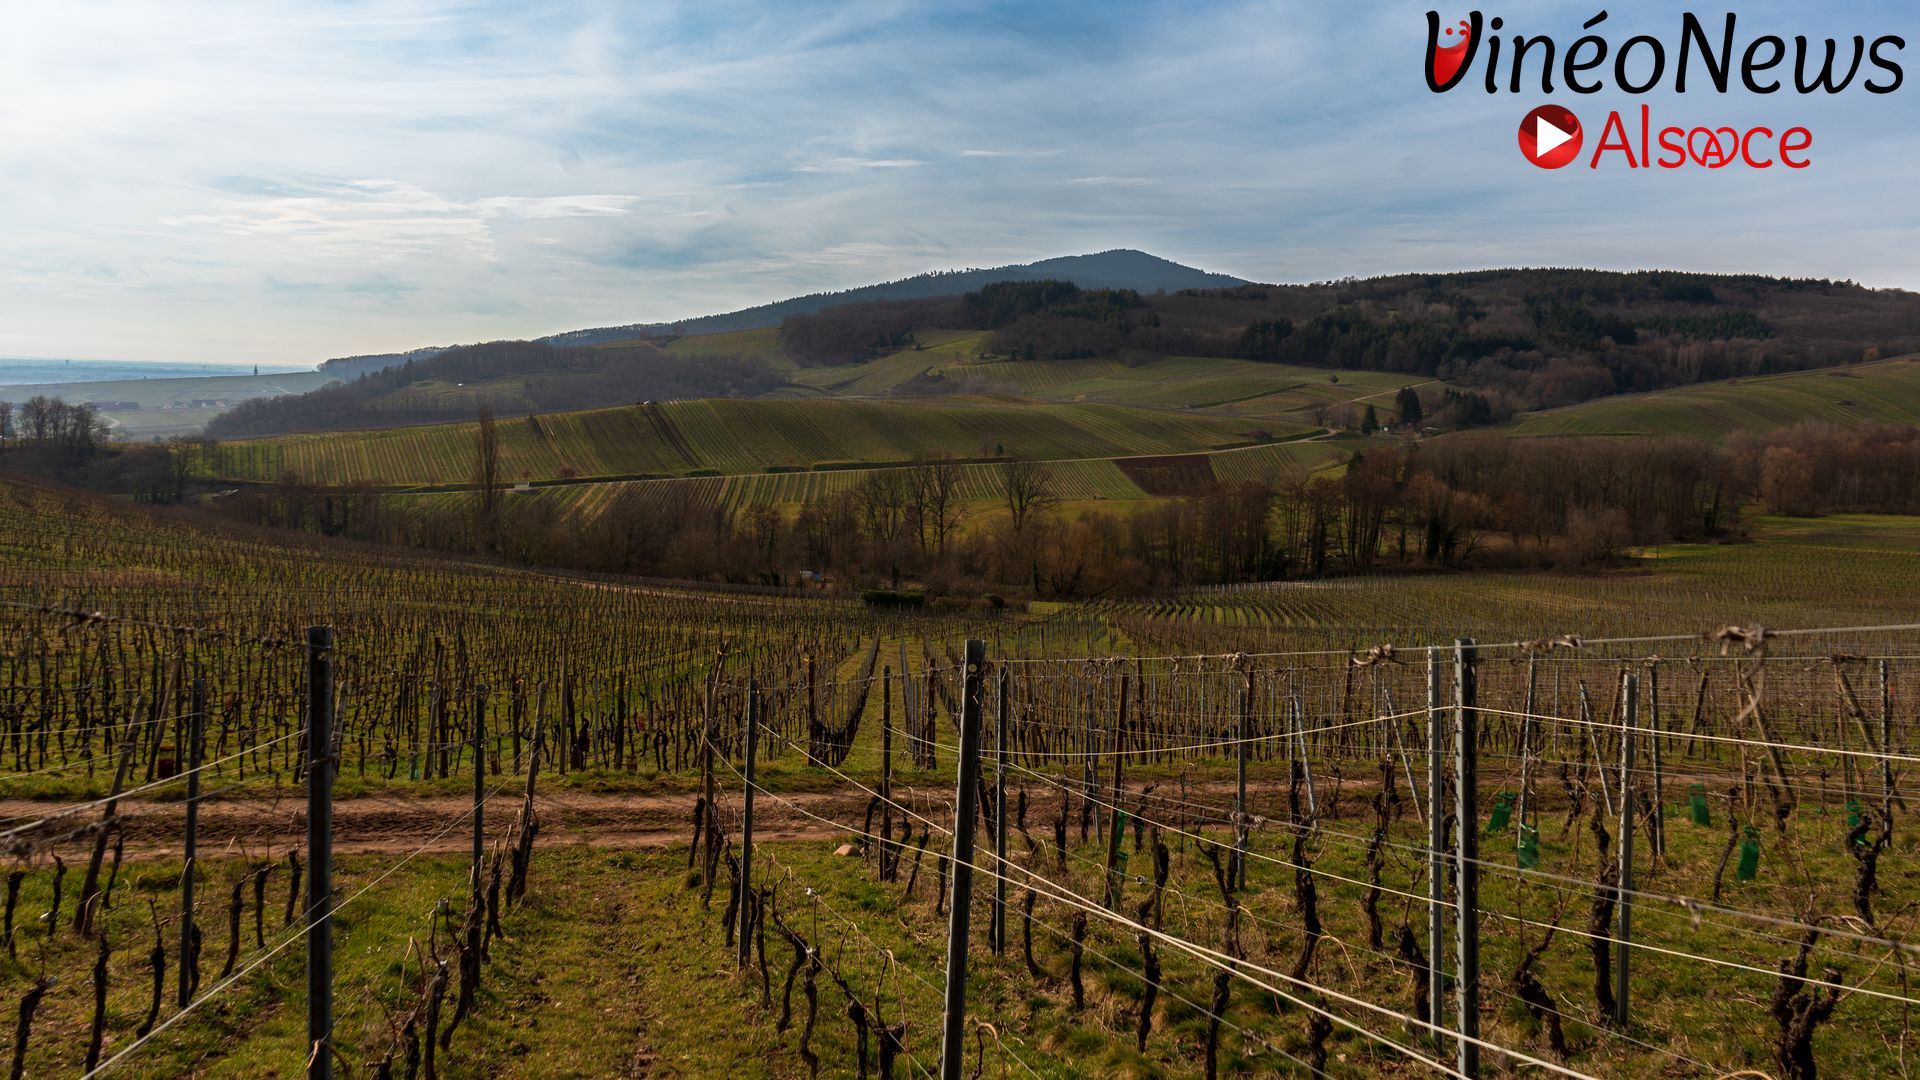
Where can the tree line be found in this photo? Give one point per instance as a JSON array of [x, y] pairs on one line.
[[1462, 501], [71, 442], [51, 423]]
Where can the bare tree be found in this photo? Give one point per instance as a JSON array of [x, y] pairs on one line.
[[182, 451], [881, 498], [935, 503], [36, 419], [1028, 489]]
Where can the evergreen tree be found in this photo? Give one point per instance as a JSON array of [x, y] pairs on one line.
[[1369, 423], [1407, 404]]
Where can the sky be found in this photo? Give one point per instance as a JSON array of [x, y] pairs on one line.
[[288, 181]]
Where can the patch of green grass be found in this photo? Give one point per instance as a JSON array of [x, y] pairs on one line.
[[1886, 391]]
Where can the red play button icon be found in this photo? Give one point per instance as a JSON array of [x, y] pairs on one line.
[[1550, 136]]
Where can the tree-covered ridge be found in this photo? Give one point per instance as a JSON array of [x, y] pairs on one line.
[[1521, 339]]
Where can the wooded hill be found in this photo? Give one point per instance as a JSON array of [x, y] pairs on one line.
[[1518, 339], [1499, 342], [1120, 268]]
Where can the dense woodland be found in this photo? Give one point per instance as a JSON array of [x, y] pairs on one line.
[[1470, 500], [1518, 339]]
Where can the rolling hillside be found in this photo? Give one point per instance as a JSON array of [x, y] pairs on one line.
[[1886, 391], [1075, 481], [730, 436]]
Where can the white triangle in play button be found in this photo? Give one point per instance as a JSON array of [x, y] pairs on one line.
[[1548, 138]]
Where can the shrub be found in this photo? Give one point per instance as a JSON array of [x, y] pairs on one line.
[[890, 598]]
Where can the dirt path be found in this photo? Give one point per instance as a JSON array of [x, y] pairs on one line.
[[399, 823]]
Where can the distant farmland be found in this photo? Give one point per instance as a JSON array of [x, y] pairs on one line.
[[729, 436], [1073, 481], [1886, 391]]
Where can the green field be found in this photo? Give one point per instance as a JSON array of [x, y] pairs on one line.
[[940, 352], [1280, 394], [763, 343], [1795, 572], [1885, 391], [730, 436]]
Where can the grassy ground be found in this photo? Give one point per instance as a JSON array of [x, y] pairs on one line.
[[1886, 391], [616, 967], [1796, 572], [543, 1012], [616, 962], [763, 343]]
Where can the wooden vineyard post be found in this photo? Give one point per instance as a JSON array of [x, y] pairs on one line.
[[1436, 838], [1466, 795], [929, 732], [1116, 823], [1657, 825], [1526, 760], [196, 742], [709, 836], [953, 1048], [1630, 698], [746, 824], [1886, 738], [886, 774], [320, 853], [1241, 742], [999, 929], [1090, 768], [479, 788]]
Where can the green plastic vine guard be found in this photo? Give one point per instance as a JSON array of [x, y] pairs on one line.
[[1853, 822], [1502, 812], [1698, 800], [1529, 850], [1749, 855]]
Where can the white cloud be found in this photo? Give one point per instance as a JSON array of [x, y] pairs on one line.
[[287, 180]]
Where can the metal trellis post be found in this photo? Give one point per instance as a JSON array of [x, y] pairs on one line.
[[1466, 779], [1436, 839]]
